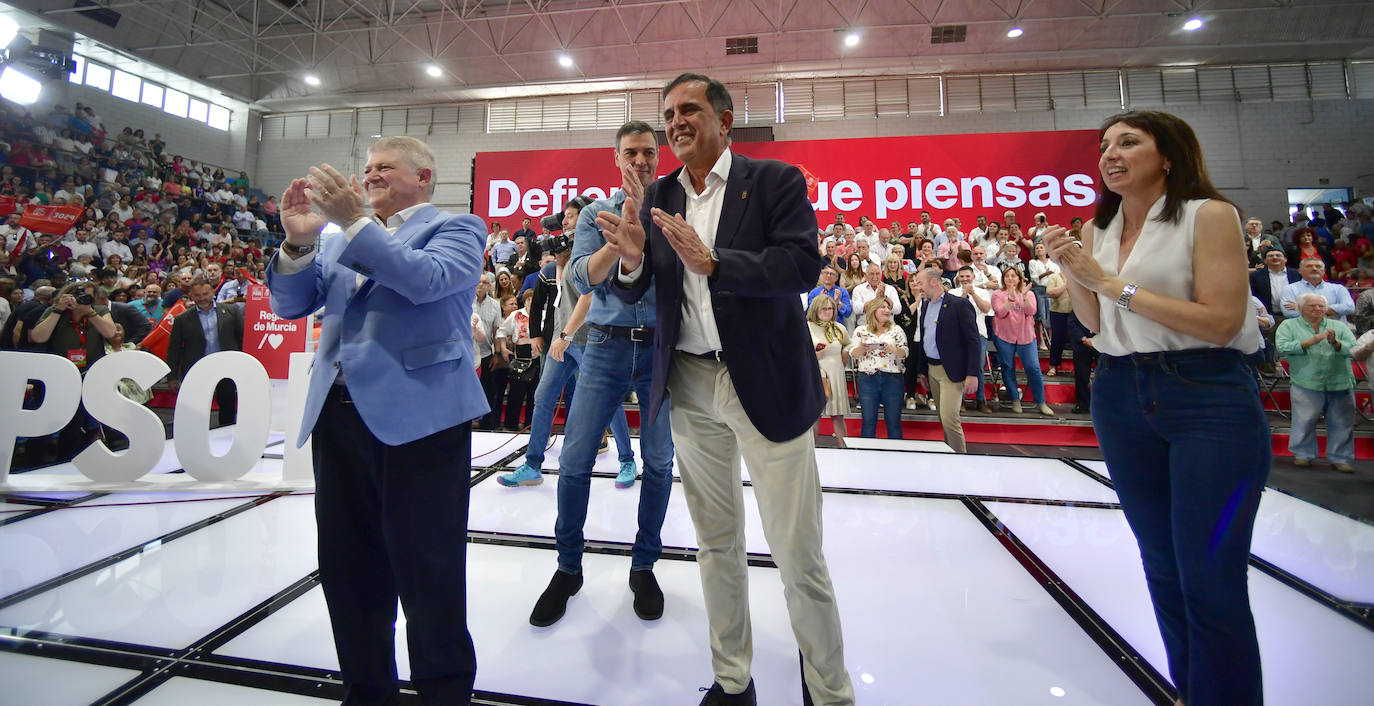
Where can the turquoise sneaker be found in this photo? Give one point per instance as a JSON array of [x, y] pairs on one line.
[[626, 477], [524, 475]]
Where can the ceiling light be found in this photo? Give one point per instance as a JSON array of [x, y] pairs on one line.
[[18, 87], [8, 30], [1193, 24], [312, 79], [565, 61], [434, 70], [1014, 32], [851, 39]]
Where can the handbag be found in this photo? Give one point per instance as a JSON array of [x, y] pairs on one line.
[[524, 370]]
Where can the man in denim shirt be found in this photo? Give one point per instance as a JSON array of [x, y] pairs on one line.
[[619, 358]]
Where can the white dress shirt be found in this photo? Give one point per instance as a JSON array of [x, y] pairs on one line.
[[698, 333]]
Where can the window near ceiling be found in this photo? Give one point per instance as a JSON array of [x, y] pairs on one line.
[[197, 110], [78, 74], [126, 86], [219, 117], [152, 94], [175, 103], [97, 76]]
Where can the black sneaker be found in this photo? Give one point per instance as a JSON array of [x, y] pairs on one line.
[[648, 596], [716, 696], [554, 602]]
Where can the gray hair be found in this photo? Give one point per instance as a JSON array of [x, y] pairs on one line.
[[415, 153], [1306, 297]]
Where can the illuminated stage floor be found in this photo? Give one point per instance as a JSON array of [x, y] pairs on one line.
[[961, 580]]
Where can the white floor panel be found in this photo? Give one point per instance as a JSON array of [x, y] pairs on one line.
[[859, 442], [35, 681], [171, 595], [598, 653], [179, 691], [932, 606], [49, 545], [608, 462], [489, 447], [1311, 655], [998, 476], [1327, 549]]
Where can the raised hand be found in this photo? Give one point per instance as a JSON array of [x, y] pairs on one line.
[[301, 223], [624, 234], [339, 199], [1076, 263], [695, 256]]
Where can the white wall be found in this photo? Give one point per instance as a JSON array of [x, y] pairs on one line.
[[1254, 151], [188, 138]]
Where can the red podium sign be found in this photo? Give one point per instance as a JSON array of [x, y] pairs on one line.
[[268, 337]]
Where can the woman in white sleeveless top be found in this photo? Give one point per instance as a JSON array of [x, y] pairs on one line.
[[1161, 275]]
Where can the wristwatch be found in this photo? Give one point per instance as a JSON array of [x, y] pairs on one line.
[[296, 251], [715, 258], [1124, 301], [563, 336]]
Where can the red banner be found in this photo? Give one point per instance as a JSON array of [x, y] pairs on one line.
[[56, 220], [885, 178], [7, 205], [268, 337], [156, 340]]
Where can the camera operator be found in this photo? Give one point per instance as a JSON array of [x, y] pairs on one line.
[[77, 328]]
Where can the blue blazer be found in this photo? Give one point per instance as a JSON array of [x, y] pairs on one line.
[[956, 337], [403, 339], [766, 242]]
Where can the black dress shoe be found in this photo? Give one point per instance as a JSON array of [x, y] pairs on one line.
[[1080, 409], [648, 596], [716, 696], [554, 602]]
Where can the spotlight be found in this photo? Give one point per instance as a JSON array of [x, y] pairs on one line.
[[312, 79], [565, 61], [434, 70], [19, 88], [851, 39], [1193, 24], [1015, 32]]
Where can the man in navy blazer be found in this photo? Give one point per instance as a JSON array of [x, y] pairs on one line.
[[1262, 281], [391, 398], [953, 352], [730, 247]]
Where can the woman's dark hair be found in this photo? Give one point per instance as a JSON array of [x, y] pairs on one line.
[[1178, 144]]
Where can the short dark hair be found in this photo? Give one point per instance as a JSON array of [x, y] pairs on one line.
[[716, 92], [1186, 178], [965, 267], [633, 127]]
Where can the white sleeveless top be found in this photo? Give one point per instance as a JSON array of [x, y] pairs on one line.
[[1161, 262]]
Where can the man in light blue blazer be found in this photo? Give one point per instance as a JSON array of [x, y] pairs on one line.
[[392, 394]]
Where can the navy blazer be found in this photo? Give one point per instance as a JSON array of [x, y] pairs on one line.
[[766, 242], [956, 337], [1259, 286]]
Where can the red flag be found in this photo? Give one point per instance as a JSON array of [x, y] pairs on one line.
[[249, 275], [8, 205], [56, 220], [156, 340]]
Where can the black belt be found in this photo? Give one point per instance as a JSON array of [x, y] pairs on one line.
[[934, 361], [717, 356], [638, 334]]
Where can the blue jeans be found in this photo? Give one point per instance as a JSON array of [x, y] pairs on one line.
[[884, 388], [611, 366], [1188, 448], [1042, 303], [1308, 406], [561, 377], [1030, 360]]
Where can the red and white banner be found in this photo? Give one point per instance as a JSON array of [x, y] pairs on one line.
[[56, 220], [8, 205], [268, 337], [885, 178]]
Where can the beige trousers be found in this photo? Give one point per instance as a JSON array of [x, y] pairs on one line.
[[710, 432], [949, 401]]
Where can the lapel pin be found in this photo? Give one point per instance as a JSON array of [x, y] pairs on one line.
[[744, 195]]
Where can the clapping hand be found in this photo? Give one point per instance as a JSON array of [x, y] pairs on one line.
[[1076, 263], [301, 223], [696, 257], [339, 199], [624, 233]]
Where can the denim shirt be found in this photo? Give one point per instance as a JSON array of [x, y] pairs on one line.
[[607, 309]]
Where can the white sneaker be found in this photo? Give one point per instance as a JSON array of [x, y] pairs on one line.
[[910, 403]]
